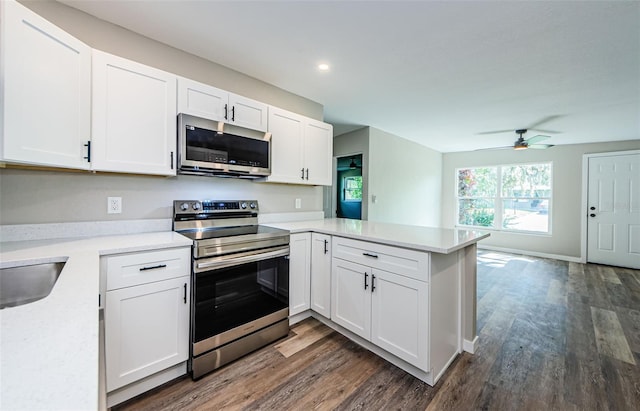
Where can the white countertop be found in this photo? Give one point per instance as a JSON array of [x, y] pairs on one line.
[[437, 240], [49, 348]]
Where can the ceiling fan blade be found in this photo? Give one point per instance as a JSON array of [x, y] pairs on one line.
[[544, 120], [484, 133], [493, 148], [546, 131], [540, 146], [535, 139]]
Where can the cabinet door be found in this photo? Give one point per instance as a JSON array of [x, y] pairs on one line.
[[47, 91], [318, 139], [321, 274], [351, 296], [133, 117], [286, 146], [299, 272], [201, 100], [248, 113], [146, 330], [399, 317]]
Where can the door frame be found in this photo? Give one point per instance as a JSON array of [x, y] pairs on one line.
[[585, 196], [365, 182]]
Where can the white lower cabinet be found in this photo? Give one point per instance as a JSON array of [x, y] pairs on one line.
[[321, 274], [147, 330], [146, 312], [388, 309], [299, 273]]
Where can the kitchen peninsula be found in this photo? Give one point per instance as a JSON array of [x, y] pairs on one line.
[[433, 269], [406, 293]]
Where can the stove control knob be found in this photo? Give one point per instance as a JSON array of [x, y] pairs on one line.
[[243, 205], [184, 206], [196, 206], [253, 205]]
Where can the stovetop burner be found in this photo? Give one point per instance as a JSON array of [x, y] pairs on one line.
[[224, 227]]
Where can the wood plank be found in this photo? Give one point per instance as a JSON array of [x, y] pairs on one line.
[[305, 336], [610, 338], [557, 293], [577, 282], [608, 274]]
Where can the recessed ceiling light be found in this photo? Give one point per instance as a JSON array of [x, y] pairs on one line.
[[323, 67]]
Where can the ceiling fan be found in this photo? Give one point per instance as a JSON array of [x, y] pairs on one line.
[[522, 144], [533, 142]]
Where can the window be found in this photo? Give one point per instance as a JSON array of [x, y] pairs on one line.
[[353, 188], [510, 198]]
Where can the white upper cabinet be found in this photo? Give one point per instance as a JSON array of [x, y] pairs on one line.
[[202, 100], [287, 134], [318, 152], [301, 149], [133, 117], [46, 93]]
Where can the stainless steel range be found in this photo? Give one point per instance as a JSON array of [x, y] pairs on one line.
[[240, 280]]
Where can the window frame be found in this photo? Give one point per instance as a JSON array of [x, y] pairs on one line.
[[345, 190], [498, 219]]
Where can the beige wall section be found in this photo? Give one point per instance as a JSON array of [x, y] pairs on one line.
[[31, 197], [406, 179], [355, 142], [566, 204], [116, 40]]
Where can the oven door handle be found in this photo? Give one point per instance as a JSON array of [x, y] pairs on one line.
[[231, 260]]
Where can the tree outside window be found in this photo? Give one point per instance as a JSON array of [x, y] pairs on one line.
[[353, 188], [513, 197]]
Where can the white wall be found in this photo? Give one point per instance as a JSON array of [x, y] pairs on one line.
[[566, 213], [406, 179], [34, 196]]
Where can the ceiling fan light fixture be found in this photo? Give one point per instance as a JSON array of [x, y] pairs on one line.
[[520, 146]]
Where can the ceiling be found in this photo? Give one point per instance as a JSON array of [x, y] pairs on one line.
[[436, 72]]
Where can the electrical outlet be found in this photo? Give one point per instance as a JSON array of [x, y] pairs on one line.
[[114, 205], [298, 202]]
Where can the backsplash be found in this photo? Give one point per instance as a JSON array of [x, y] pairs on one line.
[[35, 197]]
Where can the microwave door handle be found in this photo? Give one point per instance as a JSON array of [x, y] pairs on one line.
[[228, 261]]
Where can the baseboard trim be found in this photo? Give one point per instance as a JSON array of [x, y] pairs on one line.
[[470, 346], [530, 253]]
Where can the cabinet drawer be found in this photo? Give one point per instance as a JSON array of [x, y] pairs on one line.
[[127, 270], [410, 263]]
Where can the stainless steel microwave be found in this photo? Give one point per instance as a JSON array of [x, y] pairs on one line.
[[215, 148]]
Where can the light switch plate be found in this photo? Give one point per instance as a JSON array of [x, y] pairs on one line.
[[298, 202]]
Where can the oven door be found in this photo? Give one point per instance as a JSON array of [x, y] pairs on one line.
[[236, 296]]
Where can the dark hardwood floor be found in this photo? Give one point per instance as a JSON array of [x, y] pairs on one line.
[[553, 335]]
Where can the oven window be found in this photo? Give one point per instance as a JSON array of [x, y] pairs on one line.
[[229, 297]]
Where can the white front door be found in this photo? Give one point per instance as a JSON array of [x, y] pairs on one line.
[[613, 222]]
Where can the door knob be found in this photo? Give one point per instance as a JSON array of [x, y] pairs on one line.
[[592, 215], [592, 208]]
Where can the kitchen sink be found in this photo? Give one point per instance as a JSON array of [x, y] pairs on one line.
[[28, 283]]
